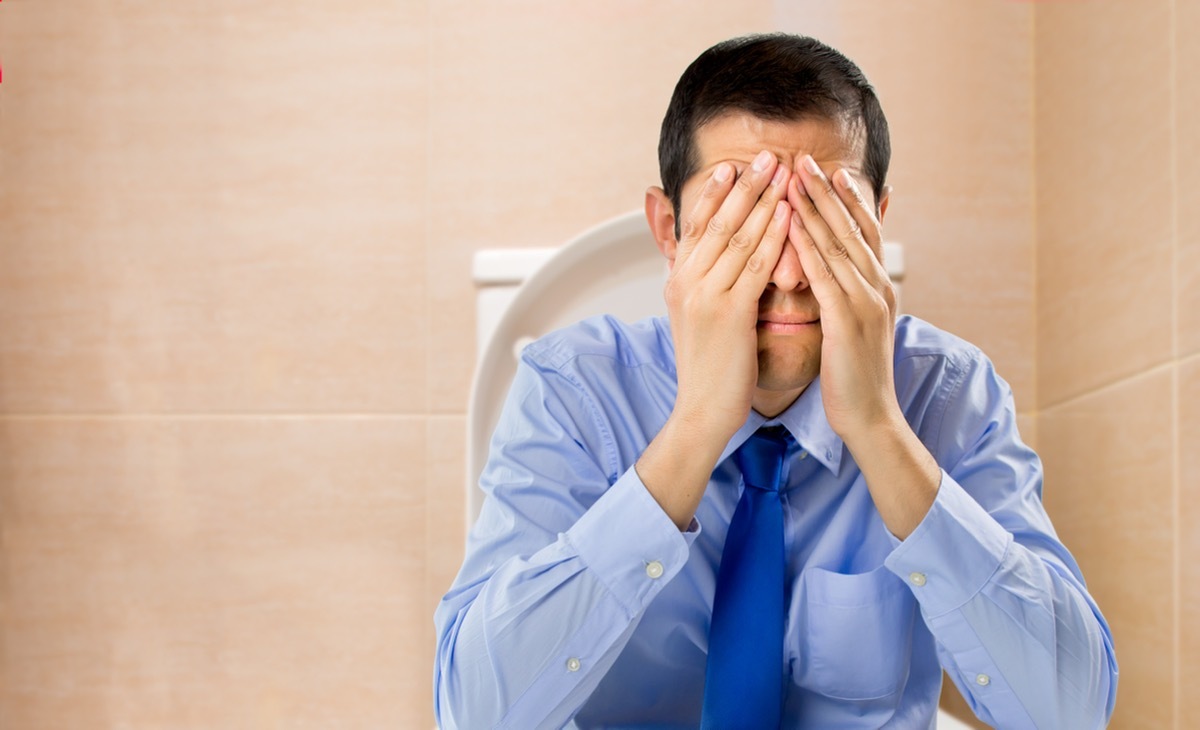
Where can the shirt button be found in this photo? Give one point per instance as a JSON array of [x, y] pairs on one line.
[[983, 680], [573, 664], [654, 569], [803, 454], [918, 579]]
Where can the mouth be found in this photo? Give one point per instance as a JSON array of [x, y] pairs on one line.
[[785, 324]]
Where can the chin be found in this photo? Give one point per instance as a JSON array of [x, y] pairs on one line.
[[787, 370], [787, 363]]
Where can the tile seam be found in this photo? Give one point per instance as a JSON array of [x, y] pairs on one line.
[[1176, 526], [1123, 380], [234, 416]]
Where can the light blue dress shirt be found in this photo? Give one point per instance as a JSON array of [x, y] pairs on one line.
[[581, 604]]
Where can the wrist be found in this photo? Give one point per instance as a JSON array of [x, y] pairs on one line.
[[675, 469]]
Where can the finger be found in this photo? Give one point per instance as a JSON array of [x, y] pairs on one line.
[[855, 202], [835, 256], [756, 273], [732, 214], [742, 246], [845, 229], [692, 228], [821, 279]]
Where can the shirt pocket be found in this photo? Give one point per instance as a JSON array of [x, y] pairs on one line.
[[856, 636]]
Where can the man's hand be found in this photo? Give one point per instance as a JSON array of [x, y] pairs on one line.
[[730, 242], [840, 245]]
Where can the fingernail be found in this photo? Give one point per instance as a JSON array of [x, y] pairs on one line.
[[780, 210], [764, 158], [721, 174], [847, 181], [780, 174], [811, 165]]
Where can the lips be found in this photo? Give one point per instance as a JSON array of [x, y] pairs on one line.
[[787, 324], [784, 318]]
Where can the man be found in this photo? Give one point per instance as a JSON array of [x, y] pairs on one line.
[[779, 506]]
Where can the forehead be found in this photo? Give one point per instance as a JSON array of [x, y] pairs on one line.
[[739, 136]]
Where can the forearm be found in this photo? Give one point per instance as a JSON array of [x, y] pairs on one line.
[[1014, 626], [677, 465], [901, 474], [531, 648], [527, 645]]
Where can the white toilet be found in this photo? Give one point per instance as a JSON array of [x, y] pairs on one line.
[[612, 268]]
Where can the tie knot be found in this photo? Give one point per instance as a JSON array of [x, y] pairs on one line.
[[761, 458]]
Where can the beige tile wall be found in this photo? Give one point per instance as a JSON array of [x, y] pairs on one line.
[[1117, 267], [238, 327], [238, 322]]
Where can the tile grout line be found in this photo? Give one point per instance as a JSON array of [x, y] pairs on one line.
[[236, 416], [1120, 380], [427, 574], [1176, 534], [1176, 527], [428, 242], [1033, 209]]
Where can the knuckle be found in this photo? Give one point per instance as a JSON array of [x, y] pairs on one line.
[[889, 296], [745, 183], [853, 231], [857, 196], [740, 241], [880, 308], [756, 263], [671, 291], [689, 229], [838, 250], [716, 226]]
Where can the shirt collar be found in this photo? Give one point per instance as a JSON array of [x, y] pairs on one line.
[[805, 421]]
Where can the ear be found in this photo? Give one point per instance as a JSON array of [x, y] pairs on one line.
[[883, 202], [660, 214]]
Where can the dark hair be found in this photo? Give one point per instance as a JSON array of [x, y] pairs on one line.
[[776, 77]]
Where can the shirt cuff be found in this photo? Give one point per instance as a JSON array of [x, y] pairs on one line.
[[630, 544], [952, 553]]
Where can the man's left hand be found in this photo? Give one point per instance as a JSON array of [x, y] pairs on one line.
[[840, 244]]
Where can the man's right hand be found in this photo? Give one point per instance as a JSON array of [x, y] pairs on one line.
[[730, 242]]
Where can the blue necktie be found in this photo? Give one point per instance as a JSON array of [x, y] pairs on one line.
[[743, 683]]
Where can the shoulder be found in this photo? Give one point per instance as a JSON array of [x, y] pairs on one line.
[[942, 378], [925, 352], [604, 342], [917, 338]]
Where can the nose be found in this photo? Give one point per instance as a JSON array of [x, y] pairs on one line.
[[788, 274]]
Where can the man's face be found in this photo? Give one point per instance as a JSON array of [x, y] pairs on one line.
[[789, 354]]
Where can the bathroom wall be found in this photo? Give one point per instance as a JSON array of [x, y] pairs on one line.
[[1117, 131], [236, 327], [236, 318]]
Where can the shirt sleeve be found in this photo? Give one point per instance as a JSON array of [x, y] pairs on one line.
[[563, 560], [1016, 628]]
